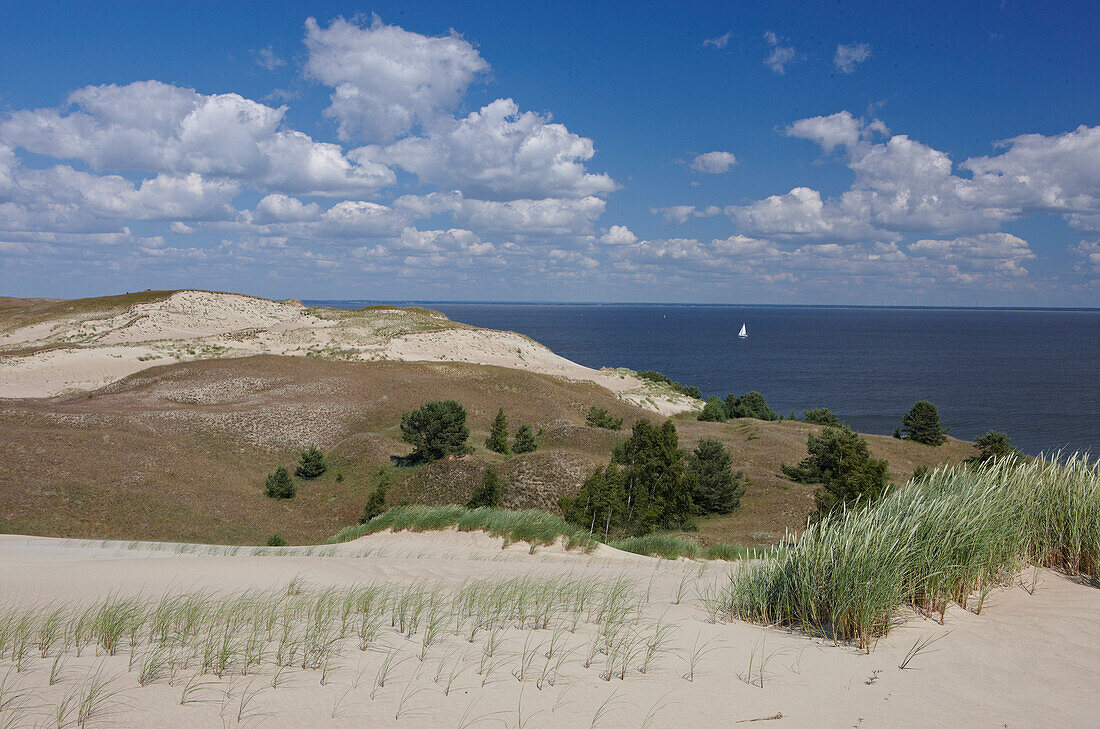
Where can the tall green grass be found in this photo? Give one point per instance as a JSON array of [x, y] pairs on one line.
[[948, 539], [514, 525], [670, 546]]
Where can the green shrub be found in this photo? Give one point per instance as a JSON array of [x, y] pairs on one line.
[[525, 441], [647, 486], [279, 484], [821, 416], [489, 494], [435, 430], [714, 411], [718, 489], [654, 376], [840, 461], [922, 424], [276, 541], [750, 405], [994, 444], [376, 500], [598, 417], [498, 434], [311, 463]]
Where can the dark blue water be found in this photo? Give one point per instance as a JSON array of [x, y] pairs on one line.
[[1034, 374]]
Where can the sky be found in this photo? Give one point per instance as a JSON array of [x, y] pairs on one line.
[[777, 153]]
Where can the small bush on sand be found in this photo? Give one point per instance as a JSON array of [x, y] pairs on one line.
[[489, 494], [922, 424], [525, 441], [840, 461], [311, 463], [498, 434], [276, 541], [376, 500], [279, 484], [598, 417], [436, 429]]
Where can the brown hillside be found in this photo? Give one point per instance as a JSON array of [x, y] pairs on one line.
[[180, 452]]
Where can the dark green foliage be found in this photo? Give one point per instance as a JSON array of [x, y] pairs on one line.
[[922, 424], [498, 434], [435, 430], [840, 461], [339, 477], [994, 444], [718, 489], [598, 417], [525, 440], [654, 376], [897, 432], [750, 405], [311, 463], [821, 416], [279, 484], [919, 473], [376, 500], [714, 411], [647, 486], [276, 541], [489, 494]]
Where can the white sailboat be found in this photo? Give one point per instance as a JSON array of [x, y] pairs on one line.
[[744, 333]]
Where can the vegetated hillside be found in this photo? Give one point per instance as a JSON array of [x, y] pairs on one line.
[[180, 452]]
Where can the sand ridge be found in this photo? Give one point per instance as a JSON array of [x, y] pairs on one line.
[[89, 351]]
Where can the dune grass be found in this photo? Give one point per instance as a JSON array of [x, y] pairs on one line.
[[671, 546], [539, 528], [949, 539]]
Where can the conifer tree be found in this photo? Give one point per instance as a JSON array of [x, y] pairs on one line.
[[525, 441], [279, 484], [922, 424], [376, 501], [311, 463], [489, 494], [498, 434]]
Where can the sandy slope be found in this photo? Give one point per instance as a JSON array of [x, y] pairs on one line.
[[90, 351], [1026, 661]]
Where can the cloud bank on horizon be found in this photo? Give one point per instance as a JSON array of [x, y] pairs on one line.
[[408, 189]]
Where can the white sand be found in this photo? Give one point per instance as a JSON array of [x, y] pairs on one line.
[[1027, 661], [91, 351]]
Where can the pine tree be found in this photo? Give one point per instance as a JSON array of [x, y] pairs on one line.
[[489, 494], [718, 489], [311, 463], [279, 485], [922, 424], [376, 501], [498, 434], [841, 462], [525, 440], [714, 411], [435, 429]]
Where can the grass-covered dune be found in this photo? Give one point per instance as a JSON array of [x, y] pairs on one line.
[[948, 539], [179, 452]]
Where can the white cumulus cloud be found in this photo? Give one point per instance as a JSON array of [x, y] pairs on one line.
[[714, 163]]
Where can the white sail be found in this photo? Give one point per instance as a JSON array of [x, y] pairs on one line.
[[744, 332]]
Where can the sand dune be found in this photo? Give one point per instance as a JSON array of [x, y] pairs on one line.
[[1026, 661], [88, 351]]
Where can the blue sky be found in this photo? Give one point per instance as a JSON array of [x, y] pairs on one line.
[[765, 153]]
